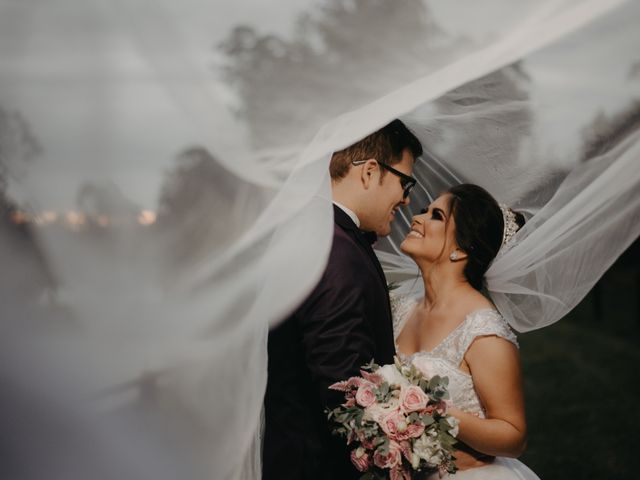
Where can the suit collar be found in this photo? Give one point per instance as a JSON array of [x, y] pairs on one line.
[[352, 215], [347, 223], [344, 220], [365, 239]]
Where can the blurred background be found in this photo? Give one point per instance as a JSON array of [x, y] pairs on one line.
[[123, 134], [581, 382]]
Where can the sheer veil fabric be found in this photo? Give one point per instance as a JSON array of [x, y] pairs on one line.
[[171, 162]]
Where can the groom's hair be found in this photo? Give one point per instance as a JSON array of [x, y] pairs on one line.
[[385, 145]]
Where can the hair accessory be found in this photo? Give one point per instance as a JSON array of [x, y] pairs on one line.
[[510, 224]]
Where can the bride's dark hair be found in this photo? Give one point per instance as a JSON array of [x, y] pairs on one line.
[[479, 227]]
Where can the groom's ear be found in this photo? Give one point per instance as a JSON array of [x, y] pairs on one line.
[[370, 169]]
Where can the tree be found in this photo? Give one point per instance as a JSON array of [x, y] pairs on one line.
[[18, 146], [344, 55], [203, 207], [479, 130], [605, 132], [27, 272]]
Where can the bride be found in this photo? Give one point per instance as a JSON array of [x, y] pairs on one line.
[[456, 331]]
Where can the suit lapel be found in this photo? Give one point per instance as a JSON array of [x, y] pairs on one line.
[[344, 221]]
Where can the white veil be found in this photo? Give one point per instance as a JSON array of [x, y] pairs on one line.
[[178, 200]]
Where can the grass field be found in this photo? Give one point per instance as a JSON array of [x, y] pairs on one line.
[[582, 386]]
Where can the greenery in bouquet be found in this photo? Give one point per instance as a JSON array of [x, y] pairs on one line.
[[395, 421]]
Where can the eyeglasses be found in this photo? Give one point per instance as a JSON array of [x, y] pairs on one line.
[[406, 182]]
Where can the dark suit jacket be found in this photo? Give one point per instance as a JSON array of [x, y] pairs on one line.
[[343, 324]]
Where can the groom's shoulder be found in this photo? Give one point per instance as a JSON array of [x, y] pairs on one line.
[[346, 253], [344, 243]]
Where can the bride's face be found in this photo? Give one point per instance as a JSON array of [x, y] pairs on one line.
[[432, 234]]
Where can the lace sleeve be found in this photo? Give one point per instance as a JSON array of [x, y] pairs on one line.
[[481, 324], [401, 307]]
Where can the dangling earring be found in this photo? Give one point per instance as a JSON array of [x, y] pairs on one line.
[[454, 256]]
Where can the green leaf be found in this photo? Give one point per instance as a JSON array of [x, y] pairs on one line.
[[383, 392], [427, 419], [371, 366]]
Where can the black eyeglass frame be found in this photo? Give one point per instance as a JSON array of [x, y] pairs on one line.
[[407, 182]]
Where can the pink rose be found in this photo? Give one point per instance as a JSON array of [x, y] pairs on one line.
[[360, 459], [396, 426], [413, 399], [391, 459], [393, 423], [366, 395]]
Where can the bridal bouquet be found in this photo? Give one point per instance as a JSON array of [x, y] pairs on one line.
[[396, 421]]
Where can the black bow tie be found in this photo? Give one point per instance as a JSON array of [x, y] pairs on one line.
[[370, 237]]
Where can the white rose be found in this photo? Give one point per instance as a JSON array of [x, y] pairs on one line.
[[423, 446], [370, 413], [377, 411], [391, 375], [425, 365], [429, 450], [436, 458]]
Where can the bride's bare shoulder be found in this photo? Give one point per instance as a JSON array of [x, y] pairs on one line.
[[475, 300]]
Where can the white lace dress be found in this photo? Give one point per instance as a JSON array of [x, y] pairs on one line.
[[445, 359]]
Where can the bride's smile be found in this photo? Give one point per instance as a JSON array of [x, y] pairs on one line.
[[430, 235]]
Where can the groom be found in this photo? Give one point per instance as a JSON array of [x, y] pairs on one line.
[[346, 320]]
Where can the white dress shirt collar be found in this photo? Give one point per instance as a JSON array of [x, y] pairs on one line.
[[348, 211]]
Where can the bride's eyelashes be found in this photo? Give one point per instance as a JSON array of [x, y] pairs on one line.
[[436, 213]]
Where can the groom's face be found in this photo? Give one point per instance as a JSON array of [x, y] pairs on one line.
[[387, 197]]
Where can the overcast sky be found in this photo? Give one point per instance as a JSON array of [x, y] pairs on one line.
[[84, 76]]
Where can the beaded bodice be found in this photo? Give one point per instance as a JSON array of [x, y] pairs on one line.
[[446, 357]]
